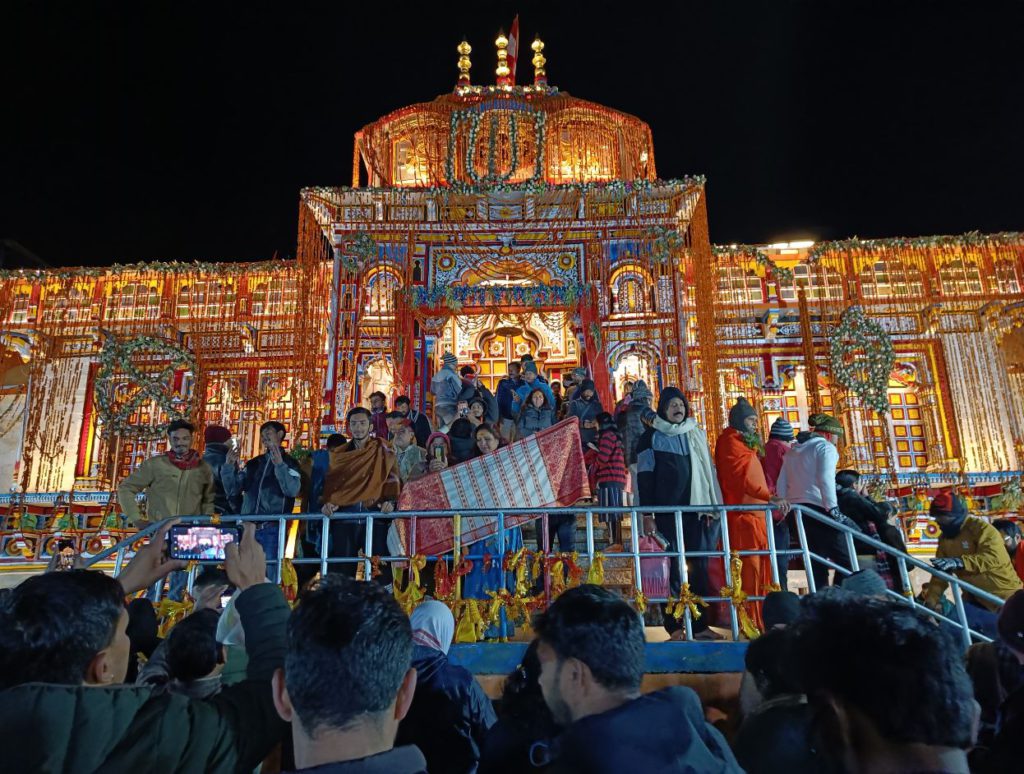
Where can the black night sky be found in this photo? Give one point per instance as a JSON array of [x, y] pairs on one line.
[[157, 130]]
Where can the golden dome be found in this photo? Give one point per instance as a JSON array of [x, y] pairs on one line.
[[492, 135]]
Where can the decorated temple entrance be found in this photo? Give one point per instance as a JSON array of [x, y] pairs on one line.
[[491, 340]]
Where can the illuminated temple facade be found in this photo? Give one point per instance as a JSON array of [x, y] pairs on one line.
[[496, 221]]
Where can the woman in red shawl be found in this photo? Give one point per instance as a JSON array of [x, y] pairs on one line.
[[743, 483]]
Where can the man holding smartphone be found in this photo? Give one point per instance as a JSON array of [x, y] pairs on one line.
[[268, 484]]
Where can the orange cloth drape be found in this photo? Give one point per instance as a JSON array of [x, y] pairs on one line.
[[742, 480], [364, 475]]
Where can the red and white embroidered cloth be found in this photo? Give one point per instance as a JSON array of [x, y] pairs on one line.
[[543, 471]]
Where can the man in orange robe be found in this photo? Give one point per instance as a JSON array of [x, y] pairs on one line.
[[743, 483]]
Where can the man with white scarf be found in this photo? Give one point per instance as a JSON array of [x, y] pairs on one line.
[[674, 468]]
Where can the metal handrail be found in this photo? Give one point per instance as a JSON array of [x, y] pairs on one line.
[[636, 513], [957, 586]]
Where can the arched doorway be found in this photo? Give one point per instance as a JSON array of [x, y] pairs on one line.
[[507, 341], [632, 362]]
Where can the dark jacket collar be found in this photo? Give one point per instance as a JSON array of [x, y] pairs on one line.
[[399, 760]]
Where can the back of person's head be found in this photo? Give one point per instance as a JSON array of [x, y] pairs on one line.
[[768, 661], [461, 428], [192, 648], [1007, 527], [600, 629], [53, 627], [887, 663], [847, 478], [466, 370], [522, 701], [781, 608], [209, 575], [334, 440], [349, 650]]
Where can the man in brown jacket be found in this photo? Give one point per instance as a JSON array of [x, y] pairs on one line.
[[973, 551], [178, 483]]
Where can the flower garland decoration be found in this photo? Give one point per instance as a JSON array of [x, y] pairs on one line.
[[153, 267], [970, 239], [117, 366], [361, 251], [758, 256], [862, 357], [664, 243], [537, 185], [454, 297], [474, 118]]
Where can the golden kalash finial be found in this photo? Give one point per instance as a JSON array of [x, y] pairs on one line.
[[502, 71], [540, 77], [464, 50]]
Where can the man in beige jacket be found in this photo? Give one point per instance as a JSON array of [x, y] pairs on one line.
[[178, 483]]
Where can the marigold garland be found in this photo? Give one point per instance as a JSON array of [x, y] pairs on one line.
[[857, 332], [116, 366]]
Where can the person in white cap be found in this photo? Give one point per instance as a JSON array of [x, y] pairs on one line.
[[445, 387]]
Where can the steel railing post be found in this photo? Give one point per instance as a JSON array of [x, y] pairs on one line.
[[773, 555], [801, 532], [726, 553], [368, 548], [684, 575], [325, 542]]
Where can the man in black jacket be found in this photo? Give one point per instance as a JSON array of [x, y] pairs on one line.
[[591, 649], [347, 681], [869, 516], [64, 653]]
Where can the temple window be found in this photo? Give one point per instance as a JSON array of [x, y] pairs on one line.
[[1006, 277], [883, 280], [21, 308], [380, 292], [275, 297], [204, 299], [409, 164], [818, 283], [134, 301], [959, 278], [738, 286]]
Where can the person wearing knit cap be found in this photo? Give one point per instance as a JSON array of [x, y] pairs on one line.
[[445, 387], [865, 583], [674, 468], [631, 425], [808, 479], [217, 441], [781, 608], [531, 382], [971, 549], [780, 440], [742, 481], [586, 408]]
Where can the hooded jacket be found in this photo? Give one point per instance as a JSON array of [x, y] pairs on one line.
[[506, 389], [265, 488], [214, 455], [445, 387], [662, 732], [449, 716], [631, 423], [986, 563], [586, 411], [674, 463], [127, 728], [808, 474], [532, 419], [472, 388]]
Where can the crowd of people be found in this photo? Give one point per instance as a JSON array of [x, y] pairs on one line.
[[639, 455], [365, 688], [844, 680]]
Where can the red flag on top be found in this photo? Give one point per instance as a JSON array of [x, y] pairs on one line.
[[513, 48]]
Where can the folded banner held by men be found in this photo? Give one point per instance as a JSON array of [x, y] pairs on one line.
[[545, 470]]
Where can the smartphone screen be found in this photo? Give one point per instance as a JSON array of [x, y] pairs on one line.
[[200, 543], [463, 408]]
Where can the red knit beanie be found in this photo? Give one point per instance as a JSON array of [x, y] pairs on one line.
[[216, 434]]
